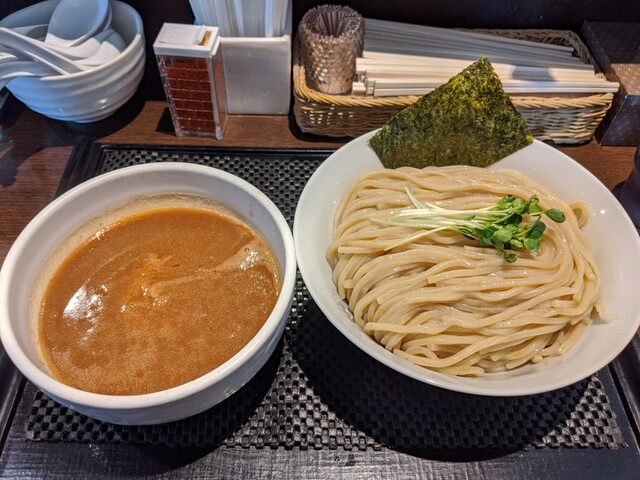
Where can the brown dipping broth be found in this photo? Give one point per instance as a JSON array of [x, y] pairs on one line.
[[156, 299]]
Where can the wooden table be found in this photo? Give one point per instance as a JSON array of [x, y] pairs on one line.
[[34, 151], [33, 154]]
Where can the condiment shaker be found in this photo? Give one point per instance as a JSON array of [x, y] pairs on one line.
[[190, 62]]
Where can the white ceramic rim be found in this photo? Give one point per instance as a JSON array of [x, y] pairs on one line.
[[81, 114], [114, 402], [334, 171]]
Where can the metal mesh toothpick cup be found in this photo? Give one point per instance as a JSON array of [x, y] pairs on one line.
[[331, 38]]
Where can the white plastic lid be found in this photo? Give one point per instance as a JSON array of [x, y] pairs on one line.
[[187, 40]]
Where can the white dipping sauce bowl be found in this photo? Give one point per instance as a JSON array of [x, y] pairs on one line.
[[43, 235]]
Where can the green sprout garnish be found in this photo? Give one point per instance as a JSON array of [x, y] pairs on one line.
[[498, 226]]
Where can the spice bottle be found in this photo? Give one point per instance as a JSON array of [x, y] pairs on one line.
[[190, 62]]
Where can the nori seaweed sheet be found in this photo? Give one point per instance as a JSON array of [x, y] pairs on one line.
[[469, 120]]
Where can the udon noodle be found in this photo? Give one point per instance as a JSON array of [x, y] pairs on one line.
[[444, 302]]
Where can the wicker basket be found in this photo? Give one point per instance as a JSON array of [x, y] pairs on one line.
[[564, 120]]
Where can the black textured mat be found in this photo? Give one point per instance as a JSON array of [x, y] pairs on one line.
[[319, 391]]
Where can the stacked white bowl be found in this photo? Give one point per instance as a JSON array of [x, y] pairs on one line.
[[90, 95]]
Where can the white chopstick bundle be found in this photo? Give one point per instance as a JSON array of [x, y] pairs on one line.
[[404, 59], [243, 18]]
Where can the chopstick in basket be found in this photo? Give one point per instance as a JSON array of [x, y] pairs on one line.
[[377, 46], [427, 32], [386, 88], [402, 59], [365, 68]]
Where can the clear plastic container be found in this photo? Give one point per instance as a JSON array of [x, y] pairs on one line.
[[190, 62]]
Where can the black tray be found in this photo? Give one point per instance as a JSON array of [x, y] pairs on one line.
[[321, 408]]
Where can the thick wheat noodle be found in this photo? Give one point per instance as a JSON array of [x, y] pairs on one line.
[[441, 301]]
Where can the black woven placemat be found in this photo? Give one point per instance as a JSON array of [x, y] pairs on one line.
[[319, 391]]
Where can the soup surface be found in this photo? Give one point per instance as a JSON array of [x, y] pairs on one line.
[[156, 299]]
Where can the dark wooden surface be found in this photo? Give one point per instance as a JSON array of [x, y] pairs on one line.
[[34, 151], [33, 155]]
